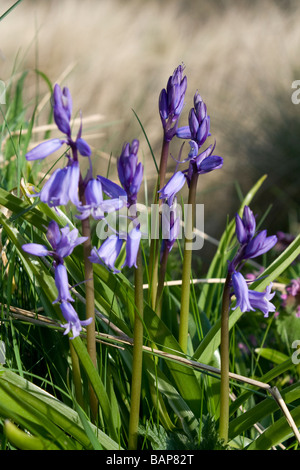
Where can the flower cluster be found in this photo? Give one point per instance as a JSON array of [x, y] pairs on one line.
[[171, 102], [199, 161], [63, 184], [130, 173], [198, 130], [251, 245], [89, 196], [62, 244]]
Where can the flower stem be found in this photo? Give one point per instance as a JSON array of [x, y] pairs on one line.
[[136, 381], [90, 306], [187, 265], [224, 391], [76, 376], [154, 248], [161, 280]]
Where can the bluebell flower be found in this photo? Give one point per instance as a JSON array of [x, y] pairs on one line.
[[35, 249], [69, 239], [44, 149], [261, 300], [173, 186], [247, 299], [62, 243], [62, 109], [259, 245], [170, 225], [62, 186], [108, 252], [95, 205], [73, 324], [130, 172], [203, 162], [251, 244], [171, 102], [132, 247], [62, 284], [199, 123], [245, 226], [111, 189], [241, 292]]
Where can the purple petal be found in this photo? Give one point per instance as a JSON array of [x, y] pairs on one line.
[[132, 247], [184, 132], [174, 185], [35, 249], [261, 300], [44, 149], [240, 231], [210, 163], [53, 234], [74, 176], [260, 244], [73, 322], [110, 188], [83, 147], [163, 105], [62, 284], [241, 292]]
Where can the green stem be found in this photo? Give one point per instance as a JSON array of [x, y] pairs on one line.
[[154, 248], [161, 281], [90, 307], [187, 265], [224, 391], [76, 376], [137, 364]]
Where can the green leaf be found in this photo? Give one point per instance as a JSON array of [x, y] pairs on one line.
[[277, 433], [265, 408], [25, 441], [272, 355], [52, 410]]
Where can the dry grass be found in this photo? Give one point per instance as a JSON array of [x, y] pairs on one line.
[[117, 55]]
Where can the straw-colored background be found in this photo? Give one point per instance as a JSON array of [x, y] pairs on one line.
[[115, 56]]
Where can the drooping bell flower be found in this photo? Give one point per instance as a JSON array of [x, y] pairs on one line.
[[62, 285], [62, 186], [171, 102], [95, 205], [173, 186], [130, 172], [247, 299], [62, 241], [68, 241], [132, 247], [73, 324], [203, 162], [108, 252]]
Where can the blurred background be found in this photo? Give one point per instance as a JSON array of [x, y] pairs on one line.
[[116, 56]]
